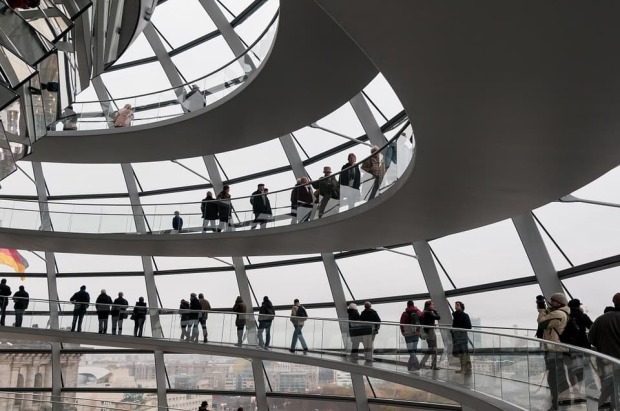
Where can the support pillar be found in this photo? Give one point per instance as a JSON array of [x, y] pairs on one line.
[[368, 121], [151, 287], [335, 284], [537, 253], [288, 144]]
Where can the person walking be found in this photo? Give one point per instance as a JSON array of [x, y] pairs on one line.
[[356, 330], [209, 210], [374, 166], [328, 189], [370, 315], [302, 200], [139, 317], [552, 322], [103, 311], [119, 314], [241, 309], [460, 339], [575, 362], [224, 209], [605, 337], [428, 320], [124, 116], [5, 294], [265, 317], [69, 119], [260, 207], [21, 299], [184, 311], [81, 301], [177, 223], [410, 328], [350, 180], [194, 315], [204, 315], [298, 318]]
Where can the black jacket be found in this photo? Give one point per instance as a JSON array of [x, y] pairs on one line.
[[5, 293], [584, 322], [350, 172], [224, 207], [260, 203], [266, 311], [460, 319], [103, 303], [117, 311], [196, 308], [80, 297], [139, 311], [209, 209], [371, 315], [429, 318], [22, 300]]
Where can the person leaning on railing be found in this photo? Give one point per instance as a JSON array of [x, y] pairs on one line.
[[328, 188], [375, 167], [21, 300], [139, 317]]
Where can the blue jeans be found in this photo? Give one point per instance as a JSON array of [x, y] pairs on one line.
[[412, 346], [297, 335], [264, 325]]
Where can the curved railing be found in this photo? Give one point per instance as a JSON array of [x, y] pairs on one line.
[[174, 101], [397, 153], [508, 367]]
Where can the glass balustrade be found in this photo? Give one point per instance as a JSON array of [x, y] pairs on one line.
[[296, 205], [173, 102], [506, 366]]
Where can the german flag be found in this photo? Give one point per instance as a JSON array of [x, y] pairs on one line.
[[12, 258]]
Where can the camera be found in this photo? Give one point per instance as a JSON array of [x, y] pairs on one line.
[[541, 304]]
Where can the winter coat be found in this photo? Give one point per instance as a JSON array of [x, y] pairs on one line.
[[584, 322], [195, 306], [209, 209], [374, 166], [266, 311], [205, 306], [302, 196], [103, 306], [430, 316], [460, 339], [139, 311], [177, 223], [80, 297], [328, 187], [349, 173], [5, 293], [224, 207], [184, 307], [123, 118], [553, 322], [22, 300], [371, 315], [118, 311], [605, 333], [405, 320], [241, 309]]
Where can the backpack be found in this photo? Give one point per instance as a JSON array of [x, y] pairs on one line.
[[301, 312], [570, 335], [414, 319]]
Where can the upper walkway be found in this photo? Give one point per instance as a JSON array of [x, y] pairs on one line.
[[312, 69], [505, 121]]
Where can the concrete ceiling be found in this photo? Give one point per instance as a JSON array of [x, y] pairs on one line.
[[513, 105], [313, 68]]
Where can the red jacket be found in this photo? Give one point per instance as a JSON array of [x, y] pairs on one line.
[[405, 317]]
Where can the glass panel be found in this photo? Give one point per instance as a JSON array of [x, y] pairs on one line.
[[86, 178], [482, 255], [307, 379], [196, 22], [582, 230], [382, 94], [309, 404], [206, 372], [390, 390], [216, 402], [587, 288]]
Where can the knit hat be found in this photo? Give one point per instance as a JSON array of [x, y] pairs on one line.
[[352, 306], [575, 303], [559, 297]]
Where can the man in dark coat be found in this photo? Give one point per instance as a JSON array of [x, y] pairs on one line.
[[261, 207], [605, 337], [350, 179], [103, 311], [21, 300], [460, 339], [430, 316], [370, 315], [119, 313], [328, 189], [302, 200], [209, 210], [80, 301], [194, 315], [224, 209], [5, 293]]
